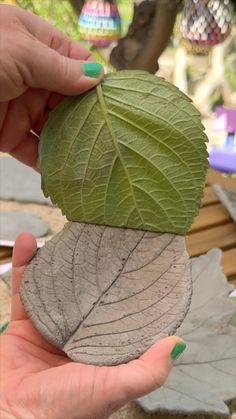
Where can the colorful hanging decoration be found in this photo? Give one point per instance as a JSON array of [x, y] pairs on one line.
[[206, 22], [99, 22]]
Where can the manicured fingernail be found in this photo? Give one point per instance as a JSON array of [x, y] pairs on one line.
[[3, 327], [178, 350], [91, 69]]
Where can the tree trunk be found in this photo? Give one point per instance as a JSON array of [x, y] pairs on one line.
[[145, 41], [159, 35], [77, 6]]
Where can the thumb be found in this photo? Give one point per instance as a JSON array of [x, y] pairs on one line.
[[110, 388], [58, 73], [146, 374], [24, 249]]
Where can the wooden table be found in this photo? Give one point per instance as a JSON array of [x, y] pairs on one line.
[[214, 226]]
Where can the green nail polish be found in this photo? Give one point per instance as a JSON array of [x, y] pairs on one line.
[[3, 327], [178, 350], [92, 69]]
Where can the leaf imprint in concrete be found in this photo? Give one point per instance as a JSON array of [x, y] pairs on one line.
[[104, 295]]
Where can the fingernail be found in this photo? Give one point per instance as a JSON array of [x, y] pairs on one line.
[[91, 69], [178, 350], [3, 327]]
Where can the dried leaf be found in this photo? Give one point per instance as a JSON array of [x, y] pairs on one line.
[[104, 294], [205, 375]]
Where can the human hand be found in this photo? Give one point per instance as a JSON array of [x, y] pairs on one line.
[[38, 64], [39, 381]]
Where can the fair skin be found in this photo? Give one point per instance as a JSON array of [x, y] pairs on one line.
[[38, 65]]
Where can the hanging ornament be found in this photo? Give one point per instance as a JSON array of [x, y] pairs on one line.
[[206, 22], [99, 22]]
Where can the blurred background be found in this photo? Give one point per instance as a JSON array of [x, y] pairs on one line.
[[192, 43]]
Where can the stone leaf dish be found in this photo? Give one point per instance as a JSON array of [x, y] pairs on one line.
[[104, 295]]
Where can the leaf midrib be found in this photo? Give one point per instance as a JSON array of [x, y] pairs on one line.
[[116, 146]]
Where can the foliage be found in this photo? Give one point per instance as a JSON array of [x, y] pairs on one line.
[[126, 12], [130, 153], [59, 13]]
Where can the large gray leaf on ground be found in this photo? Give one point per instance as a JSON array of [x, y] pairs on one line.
[[129, 153], [228, 199], [20, 182], [205, 375], [6, 274], [104, 294], [12, 223]]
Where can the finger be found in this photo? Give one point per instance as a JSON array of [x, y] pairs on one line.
[[112, 387], [27, 151], [53, 100], [57, 67], [23, 114], [24, 249], [147, 373], [28, 111], [45, 57], [26, 330], [55, 72]]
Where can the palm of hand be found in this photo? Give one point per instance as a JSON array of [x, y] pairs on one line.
[[39, 64], [39, 381]]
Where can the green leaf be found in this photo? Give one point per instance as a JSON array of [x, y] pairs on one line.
[[129, 153]]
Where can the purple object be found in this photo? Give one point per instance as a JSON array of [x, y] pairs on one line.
[[225, 119], [224, 158]]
